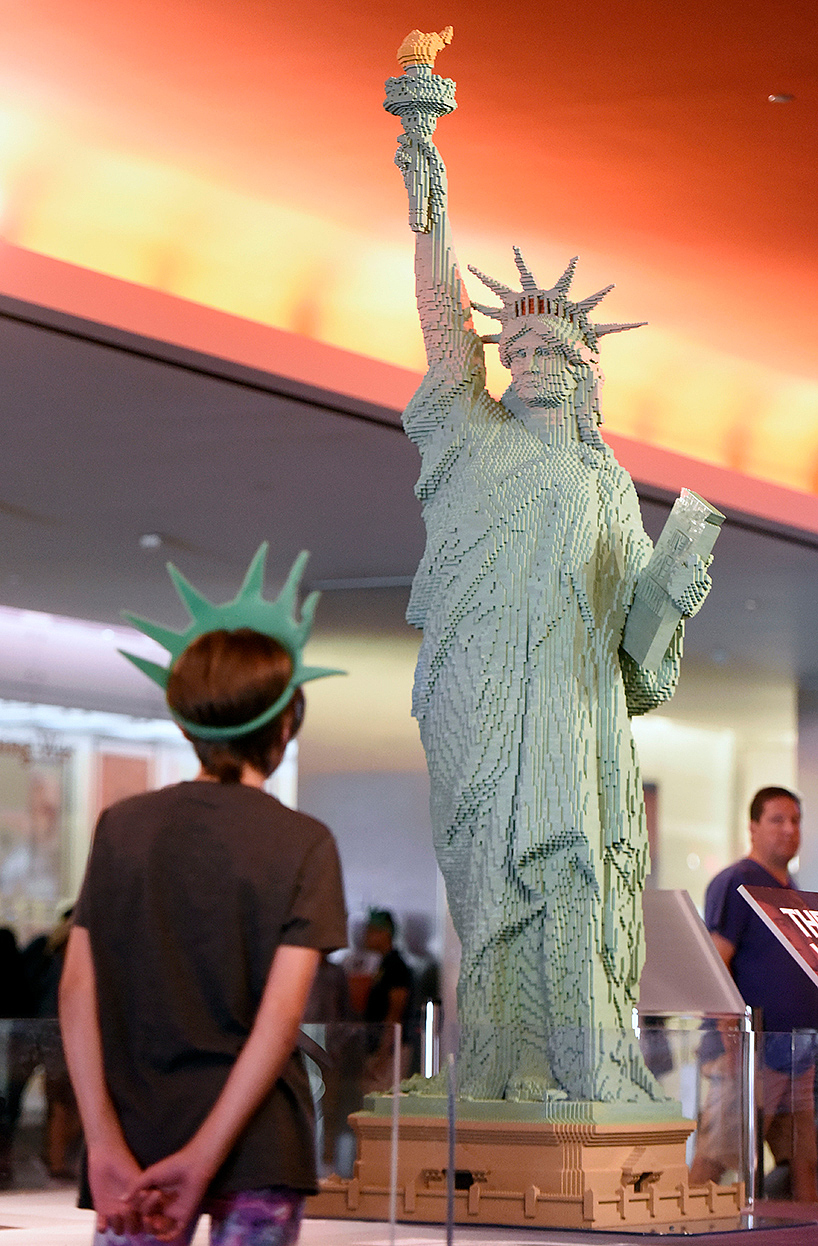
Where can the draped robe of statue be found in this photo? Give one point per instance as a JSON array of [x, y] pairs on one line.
[[522, 695]]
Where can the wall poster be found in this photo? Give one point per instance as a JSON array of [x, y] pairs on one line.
[[34, 809]]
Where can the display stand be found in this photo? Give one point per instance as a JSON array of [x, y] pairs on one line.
[[607, 1172], [555, 1164]]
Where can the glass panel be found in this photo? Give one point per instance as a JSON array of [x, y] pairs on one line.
[[500, 1171], [547, 1161], [786, 1114]]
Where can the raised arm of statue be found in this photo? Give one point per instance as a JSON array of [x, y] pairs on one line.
[[419, 96]]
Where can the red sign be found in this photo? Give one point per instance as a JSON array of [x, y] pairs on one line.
[[792, 916]]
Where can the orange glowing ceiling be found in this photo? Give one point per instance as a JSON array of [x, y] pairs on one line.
[[238, 155]]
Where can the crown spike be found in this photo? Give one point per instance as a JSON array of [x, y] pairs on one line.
[[496, 313], [253, 582], [286, 598], [588, 304], [308, 673], [529, 281], [308, 608], [193, 600], [307, 612], [159, 674], [601, 329], [504, 292], [173, 641], [564, 284]]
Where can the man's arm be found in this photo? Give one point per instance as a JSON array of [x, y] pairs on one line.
[[726, 951], [170, 1192], [112, 1168], [724, 947]]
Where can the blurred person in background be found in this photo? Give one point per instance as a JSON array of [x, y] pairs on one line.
[[769, 979], [388, 1003]]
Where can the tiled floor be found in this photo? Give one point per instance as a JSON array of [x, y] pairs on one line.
[[49, 1218]]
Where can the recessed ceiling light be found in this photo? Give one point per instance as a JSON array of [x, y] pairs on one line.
[[751, 604], [150, 540], [781, 99]]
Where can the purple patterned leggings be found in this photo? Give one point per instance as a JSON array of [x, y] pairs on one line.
[[269, 1217]]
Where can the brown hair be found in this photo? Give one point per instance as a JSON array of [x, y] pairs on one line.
[[225, 679], [769, 793]]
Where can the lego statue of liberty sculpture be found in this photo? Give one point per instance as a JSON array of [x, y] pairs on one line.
[[522, 693]]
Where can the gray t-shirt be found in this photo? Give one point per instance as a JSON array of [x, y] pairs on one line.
[[189, 891]]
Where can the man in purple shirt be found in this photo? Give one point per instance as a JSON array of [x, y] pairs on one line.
[[767, 978]]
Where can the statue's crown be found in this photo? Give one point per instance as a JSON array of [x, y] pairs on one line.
[[248, 609], [535, 300]]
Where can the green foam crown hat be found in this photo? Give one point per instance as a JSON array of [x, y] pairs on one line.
[[247, 609]]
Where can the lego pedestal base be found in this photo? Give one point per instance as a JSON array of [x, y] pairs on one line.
[[541, 1173]]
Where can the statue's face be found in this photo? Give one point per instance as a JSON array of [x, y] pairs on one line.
[[543, 373]]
